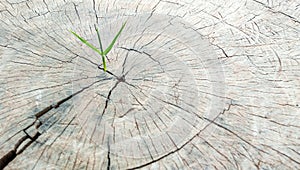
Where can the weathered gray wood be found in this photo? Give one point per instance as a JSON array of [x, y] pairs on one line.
[[191, 85]]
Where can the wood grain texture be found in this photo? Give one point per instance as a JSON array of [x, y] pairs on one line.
[[190, 85]]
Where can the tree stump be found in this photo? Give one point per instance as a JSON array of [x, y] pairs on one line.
[[190, 85]]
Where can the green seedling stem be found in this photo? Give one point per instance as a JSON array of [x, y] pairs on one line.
[[100, 51]]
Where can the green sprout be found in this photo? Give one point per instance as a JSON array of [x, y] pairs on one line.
[[100, 51]]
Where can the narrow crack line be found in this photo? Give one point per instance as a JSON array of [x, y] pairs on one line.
[[75, 7], [152, 143], [8, 11], [281, 153], [235, 161], [66, 14], [138, 128], [142, 33], [45, 5], [86, 106], [69, 123], [257, 67], [156, 113], [95, 11], [131, 49], [137, 100], [157, 126], [281, 124], [250, 157], [205, 92], [273, 121], [157, 61], [76, 158], [39, 158], [143, 52], [297, 152], [146, 123], [223, 51], [108, 96], [174, 143], [155, 38], [219, 152], [45, 55], [136, 8], [153, 10], [108, 156], [113, 121], [169, 2], [148, 149], [34, 65], [7, 46], [279, 60], [124, 62], [177, 106], [127, 112], [18, 26]]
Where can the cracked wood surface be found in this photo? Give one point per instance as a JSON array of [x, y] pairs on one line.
[[190, 85]]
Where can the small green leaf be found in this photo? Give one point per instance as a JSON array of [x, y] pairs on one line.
[[99, 38], [86, 43], [101, 48], [114, 40]]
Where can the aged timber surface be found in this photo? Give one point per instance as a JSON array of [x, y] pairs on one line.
[[190, 85]]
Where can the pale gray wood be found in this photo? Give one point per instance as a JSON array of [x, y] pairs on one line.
[[192, 85]]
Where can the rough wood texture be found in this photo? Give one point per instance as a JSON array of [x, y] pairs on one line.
[[191, 85]]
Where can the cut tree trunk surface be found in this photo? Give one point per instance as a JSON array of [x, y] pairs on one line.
[[190, 85]]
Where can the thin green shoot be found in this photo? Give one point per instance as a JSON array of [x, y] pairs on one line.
[[100, 52], [101, 48], [114, 40], [86, 43]]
